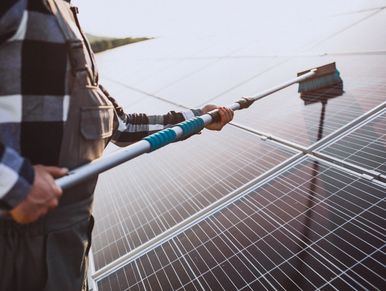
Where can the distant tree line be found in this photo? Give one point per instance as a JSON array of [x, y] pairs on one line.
[[100, 44]]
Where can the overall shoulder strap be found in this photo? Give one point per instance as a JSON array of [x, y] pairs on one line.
[[62, 11], [64, 14]]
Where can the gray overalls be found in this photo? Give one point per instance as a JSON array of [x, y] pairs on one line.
[[51, 254]]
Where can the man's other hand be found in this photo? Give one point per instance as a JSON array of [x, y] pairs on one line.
[[43, 196], [226, 115]]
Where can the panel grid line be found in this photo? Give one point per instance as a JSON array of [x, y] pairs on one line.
[[350, 268]]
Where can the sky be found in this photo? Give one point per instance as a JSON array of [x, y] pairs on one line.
[[170, 18]]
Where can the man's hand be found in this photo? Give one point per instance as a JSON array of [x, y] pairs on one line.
[[226, 115], [44, 195]]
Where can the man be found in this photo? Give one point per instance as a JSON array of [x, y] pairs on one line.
[[54, 116]]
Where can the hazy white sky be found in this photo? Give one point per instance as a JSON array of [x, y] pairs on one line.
[[201, 17]]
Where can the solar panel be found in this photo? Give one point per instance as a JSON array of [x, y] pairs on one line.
[[153, 61], [347, 42], [207, 79], [364, 146], [294, 121], [312, 226], [309, 34], [194, 82], [141, 199], [264, 217], [189, 70]]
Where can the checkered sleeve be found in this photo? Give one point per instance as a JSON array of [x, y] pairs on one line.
[[11, 13], [16, 178], [133, 127]]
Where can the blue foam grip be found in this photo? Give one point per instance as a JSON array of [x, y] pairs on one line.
[[161, 138], [191, 127]]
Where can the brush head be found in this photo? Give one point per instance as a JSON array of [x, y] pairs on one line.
[[322, 95], [325, 76]]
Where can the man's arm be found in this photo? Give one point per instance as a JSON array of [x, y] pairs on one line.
[[26, 192], [134, 127], [43, 196], [16, 173], [11, 13], [16, 178]]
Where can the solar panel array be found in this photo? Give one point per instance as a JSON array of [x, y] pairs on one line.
[[363, 146], [155, 192], [291, 196], [313, 226]]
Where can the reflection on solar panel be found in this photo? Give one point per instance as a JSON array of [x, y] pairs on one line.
[[295, 122], [313, 226], [149, 195], [364, 146], [236, 211]]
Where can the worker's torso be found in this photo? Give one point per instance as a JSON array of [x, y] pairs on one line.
[[61, 117]]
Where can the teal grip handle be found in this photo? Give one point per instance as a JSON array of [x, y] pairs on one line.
[[159, 139], [191, 126]]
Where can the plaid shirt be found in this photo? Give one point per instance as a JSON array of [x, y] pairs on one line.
[[35, 96]]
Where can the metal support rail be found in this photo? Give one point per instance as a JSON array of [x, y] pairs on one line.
[[336, 134], [370, 174]]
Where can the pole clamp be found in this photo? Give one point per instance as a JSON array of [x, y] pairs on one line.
[[245, 102]]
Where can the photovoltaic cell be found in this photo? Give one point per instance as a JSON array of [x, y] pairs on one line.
[[141, 199], [313, 226], [365, 146]]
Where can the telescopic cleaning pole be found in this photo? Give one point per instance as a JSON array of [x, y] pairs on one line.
[[163, 137]]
